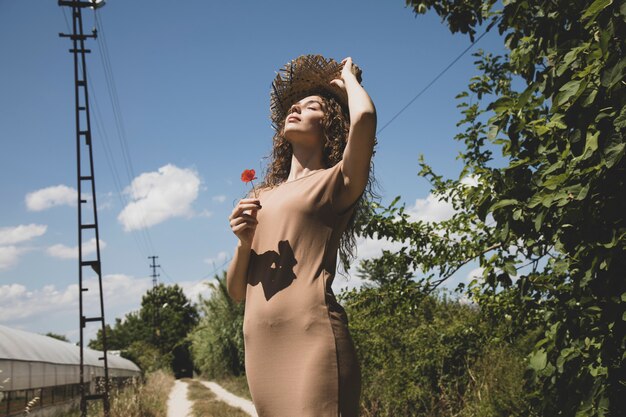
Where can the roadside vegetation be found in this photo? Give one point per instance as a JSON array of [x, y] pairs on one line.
[[136, 399]]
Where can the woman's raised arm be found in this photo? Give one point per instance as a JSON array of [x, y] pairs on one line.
[[358, 153]]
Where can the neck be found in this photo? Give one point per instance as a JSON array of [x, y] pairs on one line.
[[304, 161]]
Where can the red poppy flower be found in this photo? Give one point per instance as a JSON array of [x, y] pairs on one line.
[[248, 175]]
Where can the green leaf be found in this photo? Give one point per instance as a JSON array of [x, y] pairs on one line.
[[548, 199], [552, 182], [567, 60], [611, 244], [591, 145], [567, 91], [614, 151], [560, 361], [525, 96], [589, 98], [501, 105], [582, 194], [595, 9], [538, 360], [613, 75], [502, 203], [535, 200], [510, 269], [620, 121], [539, 220], [493, 132]]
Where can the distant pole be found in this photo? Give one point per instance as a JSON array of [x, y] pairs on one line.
[[154, 266], [155, 306], [85, 176]]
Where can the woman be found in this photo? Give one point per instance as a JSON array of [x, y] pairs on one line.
[[299, 355]]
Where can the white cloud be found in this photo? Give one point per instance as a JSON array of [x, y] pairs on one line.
[[50, 308], [466, 300], [21, 233], [71, 252], [218, 260], [105, 201], [470, 181], [430, 209], [9, 255], [372, 248], [158, 196], [475, 274], [433, 208], [45, 198], [121, 293], [194, 289], [366, 249], [219, 198], [205, 213]]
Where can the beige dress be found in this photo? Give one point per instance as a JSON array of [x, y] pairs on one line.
[[299, 355]]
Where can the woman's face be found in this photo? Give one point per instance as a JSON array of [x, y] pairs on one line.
[[304, 119]]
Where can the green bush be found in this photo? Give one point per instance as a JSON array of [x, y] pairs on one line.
[[431, 355], [217, 342]]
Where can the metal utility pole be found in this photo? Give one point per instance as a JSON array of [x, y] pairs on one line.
[[155, 303], [154, 267], [87, 208]]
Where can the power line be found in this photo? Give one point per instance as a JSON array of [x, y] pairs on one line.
[[119, 123], [109, 156], [141, 236], [215, 269], [438, 76]]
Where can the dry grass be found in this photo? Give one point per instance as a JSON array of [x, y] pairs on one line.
[[238, 385], [137, 399], [206, 404]]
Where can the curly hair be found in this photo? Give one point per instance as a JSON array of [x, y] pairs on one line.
[[335, 128]]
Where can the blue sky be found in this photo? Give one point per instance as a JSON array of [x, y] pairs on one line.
[[192, 81]]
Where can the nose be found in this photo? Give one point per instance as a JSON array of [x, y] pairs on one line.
[[294, 109]]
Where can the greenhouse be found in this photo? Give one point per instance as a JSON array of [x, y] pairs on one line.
[[45, 371]]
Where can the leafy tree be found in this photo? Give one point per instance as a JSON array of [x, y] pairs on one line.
[[170, 314], [547, 228], [217, 341], [147, 356], [158, 330], [57, 336], [422, 352], [123, 333]]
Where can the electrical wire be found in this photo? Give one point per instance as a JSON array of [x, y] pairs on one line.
[[215, 269], [110, 159], [119, 123], [454, 61]]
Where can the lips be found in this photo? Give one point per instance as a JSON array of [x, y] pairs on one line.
[[293, 119]]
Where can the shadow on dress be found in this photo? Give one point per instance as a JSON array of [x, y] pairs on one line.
[[274, 270]]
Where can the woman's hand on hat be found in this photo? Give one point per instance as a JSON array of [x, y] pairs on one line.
[[346, 72]]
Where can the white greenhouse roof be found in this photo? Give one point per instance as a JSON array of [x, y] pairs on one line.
[[31, 347]]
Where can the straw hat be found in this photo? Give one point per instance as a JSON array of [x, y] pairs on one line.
[[304, 76]]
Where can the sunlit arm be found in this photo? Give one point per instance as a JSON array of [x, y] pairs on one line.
[[360, 147], [236, 282]]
